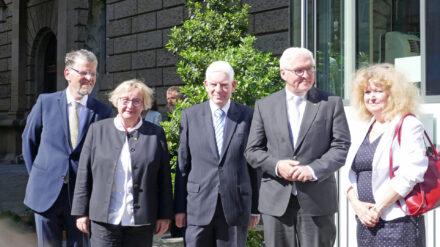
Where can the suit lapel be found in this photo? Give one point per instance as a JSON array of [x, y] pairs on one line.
[[62, 103], [231, 124], [90, 113], [312, 106], [208, 129]]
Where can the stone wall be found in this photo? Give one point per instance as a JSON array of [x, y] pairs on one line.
[[137, 32], [5, 59], [270, 20]]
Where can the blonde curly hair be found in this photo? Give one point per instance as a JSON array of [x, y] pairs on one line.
[[402, 95]]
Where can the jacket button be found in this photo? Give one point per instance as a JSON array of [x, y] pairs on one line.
[[132, 150]]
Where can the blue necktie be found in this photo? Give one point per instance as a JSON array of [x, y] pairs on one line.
[[219, 127]]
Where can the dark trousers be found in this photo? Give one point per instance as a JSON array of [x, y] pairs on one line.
[[217, 233], [50, 224], [175, 231], [108, 235], [294, 229]]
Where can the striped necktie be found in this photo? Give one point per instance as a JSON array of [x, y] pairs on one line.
[[219, 127]]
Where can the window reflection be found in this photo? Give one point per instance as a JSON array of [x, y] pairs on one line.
[[386, 30], [432, 47], [329, 53]]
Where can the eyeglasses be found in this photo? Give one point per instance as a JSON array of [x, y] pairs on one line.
[[84, 73], [300, 72], [134, 102]]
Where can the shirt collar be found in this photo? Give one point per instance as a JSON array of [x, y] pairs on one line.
[[290, 96], [118, 123], [214, 107], [70, 99]]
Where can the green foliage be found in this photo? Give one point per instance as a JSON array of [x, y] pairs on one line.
[[10, 216], [17, 223], [101, 3], [255, 238], [215, 25]]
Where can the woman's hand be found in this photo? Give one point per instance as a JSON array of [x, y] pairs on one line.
[[162, 226], [82, 223], [367, 216], [363, 210]]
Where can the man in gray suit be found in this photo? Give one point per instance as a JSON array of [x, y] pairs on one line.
[[216, 190], [299, 138]]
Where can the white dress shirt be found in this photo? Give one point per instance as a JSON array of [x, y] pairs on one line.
[[121, 200], [291, 108]]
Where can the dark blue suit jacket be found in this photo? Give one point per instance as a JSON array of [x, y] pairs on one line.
[[202, 173], [47, 151]]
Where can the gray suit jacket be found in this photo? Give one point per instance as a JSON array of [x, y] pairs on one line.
[[152, 191], [323, 143], [202, 174]]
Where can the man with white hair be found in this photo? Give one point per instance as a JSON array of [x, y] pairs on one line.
[[299, 138], [216, 190]]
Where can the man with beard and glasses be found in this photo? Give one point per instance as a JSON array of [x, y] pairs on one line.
[[52, 142]]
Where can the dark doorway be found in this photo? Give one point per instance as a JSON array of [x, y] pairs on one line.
[[50, 65]]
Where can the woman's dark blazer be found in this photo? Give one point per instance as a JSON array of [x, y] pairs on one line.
[[152, 191]]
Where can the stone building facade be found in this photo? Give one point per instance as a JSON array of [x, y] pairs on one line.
[[128, 37]]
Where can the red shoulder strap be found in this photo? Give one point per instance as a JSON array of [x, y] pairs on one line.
[[398, 134]]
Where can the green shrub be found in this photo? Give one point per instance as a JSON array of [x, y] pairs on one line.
[[255, 238]]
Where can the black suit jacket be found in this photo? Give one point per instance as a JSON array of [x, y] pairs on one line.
[[202, 174], [47, 151], [323, 142], [152, 191]]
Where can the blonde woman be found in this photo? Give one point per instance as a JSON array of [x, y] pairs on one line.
[[123, 186], [381, 95]]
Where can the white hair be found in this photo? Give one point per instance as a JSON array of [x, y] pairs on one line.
[[220, 66], [293, 52]]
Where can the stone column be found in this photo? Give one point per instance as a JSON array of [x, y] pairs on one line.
[[62, 42], [18, 59]]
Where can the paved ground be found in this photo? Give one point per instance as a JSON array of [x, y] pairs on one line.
[[13, 179]]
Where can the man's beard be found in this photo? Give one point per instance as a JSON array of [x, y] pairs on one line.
[[170, 108]]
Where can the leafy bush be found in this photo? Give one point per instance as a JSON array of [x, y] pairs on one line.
[[255, 238]]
